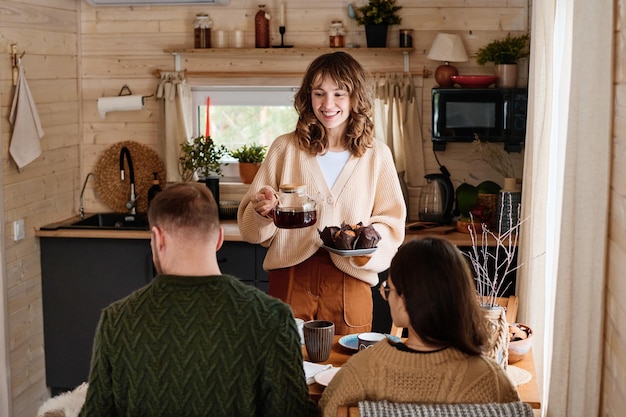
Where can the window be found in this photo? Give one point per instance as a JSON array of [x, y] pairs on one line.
[[240, 115], [244, 115]]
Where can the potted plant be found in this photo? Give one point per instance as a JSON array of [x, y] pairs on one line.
[[200, 159], [504, 53], [377, 16], [250, 158]]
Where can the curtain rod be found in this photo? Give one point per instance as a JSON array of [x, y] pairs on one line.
[[247, 74]]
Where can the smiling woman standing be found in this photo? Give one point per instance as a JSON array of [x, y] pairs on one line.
[[352, 178]]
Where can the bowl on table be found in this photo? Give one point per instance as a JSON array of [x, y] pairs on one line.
[[520, 341]]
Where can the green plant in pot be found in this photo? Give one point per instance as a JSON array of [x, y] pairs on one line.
[[250, 158], [504, 54], [200, 156], [377, 16]]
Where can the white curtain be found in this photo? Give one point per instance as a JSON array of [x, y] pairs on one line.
[[398, 123], [566, 177], [175, 94]]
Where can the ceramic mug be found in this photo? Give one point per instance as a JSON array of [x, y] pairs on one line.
[[318, 339], [367, 340]]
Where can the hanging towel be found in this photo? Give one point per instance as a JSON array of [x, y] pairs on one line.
[[27, 131]]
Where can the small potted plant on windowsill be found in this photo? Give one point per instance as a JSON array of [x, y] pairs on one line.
[[504, 54], [200, 160], [377, 16], [250, 158]]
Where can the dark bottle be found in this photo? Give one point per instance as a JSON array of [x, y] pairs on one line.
[[261, 28], [155, 189]]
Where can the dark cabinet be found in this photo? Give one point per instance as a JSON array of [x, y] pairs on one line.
[[79, 278], [244, 261]]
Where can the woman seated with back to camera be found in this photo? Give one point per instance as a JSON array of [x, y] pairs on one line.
[[430, 291]]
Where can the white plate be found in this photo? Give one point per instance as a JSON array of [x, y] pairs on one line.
[[348, 252], [324, 377], [351, 341]]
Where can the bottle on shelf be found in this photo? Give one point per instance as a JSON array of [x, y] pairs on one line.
[[262, 28], [155, 189], [202, 31], [336, 34]]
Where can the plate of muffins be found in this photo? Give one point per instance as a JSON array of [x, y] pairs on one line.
[[350, 239]]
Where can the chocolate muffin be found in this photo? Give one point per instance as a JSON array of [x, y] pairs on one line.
[[327, 235], [344, 239], [367, 237]]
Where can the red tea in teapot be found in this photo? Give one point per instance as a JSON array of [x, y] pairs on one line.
[[290, 219]]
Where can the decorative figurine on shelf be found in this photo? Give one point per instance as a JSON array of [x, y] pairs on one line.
[[282, 29]]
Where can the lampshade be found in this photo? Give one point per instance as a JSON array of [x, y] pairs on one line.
[[448, 48]]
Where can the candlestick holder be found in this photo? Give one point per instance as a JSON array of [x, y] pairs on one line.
[[282, 30]]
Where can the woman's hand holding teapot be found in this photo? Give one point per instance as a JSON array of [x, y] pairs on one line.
[[265, 201]]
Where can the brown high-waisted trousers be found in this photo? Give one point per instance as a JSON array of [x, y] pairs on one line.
[[317, 289]]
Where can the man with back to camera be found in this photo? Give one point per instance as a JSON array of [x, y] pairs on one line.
[[195, 342]]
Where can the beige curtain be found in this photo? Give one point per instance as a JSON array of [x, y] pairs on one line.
[[398, 123], [175, 94], [566, 174]]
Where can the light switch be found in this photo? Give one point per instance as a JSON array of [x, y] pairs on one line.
[[18, 229]]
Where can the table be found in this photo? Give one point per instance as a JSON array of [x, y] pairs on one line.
[[529, 392]]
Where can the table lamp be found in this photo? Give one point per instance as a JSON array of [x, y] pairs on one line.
[[448, 48]]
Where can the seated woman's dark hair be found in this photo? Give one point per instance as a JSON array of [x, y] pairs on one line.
[[441, 300]]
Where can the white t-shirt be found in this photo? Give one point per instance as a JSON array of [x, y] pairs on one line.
[[332, 163]]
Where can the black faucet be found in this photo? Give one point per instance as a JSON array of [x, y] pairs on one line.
[[130, 205]]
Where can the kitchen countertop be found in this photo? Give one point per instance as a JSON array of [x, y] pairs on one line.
[[231, 233]]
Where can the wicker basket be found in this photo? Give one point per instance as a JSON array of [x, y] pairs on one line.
[[112, 190]]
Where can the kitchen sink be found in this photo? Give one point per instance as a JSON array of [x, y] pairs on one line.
[[109, 221]]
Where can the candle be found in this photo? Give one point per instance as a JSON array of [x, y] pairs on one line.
[[282, 14]]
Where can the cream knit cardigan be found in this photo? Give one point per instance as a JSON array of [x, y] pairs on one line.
[[367, 190]]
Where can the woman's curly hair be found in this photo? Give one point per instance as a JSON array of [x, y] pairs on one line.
[[349, 75]]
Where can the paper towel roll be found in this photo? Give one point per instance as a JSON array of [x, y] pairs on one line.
[[119, 103]]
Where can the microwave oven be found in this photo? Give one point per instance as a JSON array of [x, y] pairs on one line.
[[493, 114]]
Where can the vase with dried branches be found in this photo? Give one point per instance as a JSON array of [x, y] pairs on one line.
[[491, 265]]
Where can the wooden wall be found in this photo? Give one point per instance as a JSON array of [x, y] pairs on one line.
[[125, 45], [47, 31], [613, 399], [76, 53]]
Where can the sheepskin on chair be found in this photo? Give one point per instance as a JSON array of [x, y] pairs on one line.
[[67, 404]]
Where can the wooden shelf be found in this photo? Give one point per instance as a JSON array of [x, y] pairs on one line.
[[296, 53], [288, 51]]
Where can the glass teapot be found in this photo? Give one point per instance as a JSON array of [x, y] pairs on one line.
[[294, 208]]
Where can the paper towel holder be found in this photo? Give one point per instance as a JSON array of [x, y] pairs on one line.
[[126, 88], [125, 91]]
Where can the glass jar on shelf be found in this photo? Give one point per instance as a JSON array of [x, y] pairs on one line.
[[336, 34], [202, 31]]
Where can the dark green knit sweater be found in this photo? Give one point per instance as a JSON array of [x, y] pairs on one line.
[[197, 346]]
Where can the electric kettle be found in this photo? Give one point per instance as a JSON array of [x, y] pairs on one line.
[[437, 198]]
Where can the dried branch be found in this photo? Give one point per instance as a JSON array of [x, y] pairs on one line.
[[490, 285], [495, 157]]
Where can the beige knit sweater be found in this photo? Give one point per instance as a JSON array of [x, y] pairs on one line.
[[367, 190], [383, 372]]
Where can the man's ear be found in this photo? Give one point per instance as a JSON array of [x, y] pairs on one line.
[[220, 239], [157, 236]]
